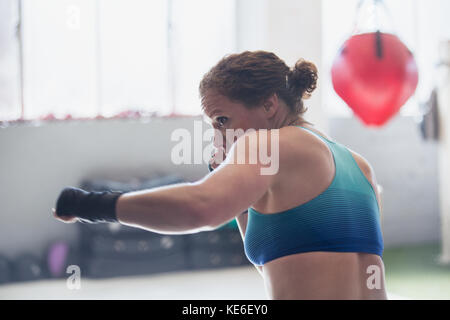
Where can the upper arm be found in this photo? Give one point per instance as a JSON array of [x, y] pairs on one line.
[[234, 186]]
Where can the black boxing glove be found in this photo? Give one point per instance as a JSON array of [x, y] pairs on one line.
[[210, 167], [89, 207]]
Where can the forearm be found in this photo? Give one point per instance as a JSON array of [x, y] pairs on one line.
[[176, 209]]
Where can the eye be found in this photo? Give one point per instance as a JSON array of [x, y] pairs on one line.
[[221, 121]]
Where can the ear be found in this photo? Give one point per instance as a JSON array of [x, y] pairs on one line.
[[271, 106]]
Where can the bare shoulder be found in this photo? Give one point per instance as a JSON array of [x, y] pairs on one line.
[[302, 140], [294, 142], [289, 133], [285, 140], [295, 136]]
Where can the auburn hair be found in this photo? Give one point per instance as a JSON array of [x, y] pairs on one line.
[[251, 77]]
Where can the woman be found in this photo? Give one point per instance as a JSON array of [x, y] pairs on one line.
[[312, 228]]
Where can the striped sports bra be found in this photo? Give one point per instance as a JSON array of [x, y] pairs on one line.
[[343, 218]]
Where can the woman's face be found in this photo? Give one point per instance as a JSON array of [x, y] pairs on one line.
[[225, 114]]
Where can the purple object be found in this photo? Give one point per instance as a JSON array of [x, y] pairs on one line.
[[57, 257]]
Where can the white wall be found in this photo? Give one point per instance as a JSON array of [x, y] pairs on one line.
[[37, 162], [292, 30]]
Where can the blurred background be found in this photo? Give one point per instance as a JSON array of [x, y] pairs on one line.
[[91, 91]]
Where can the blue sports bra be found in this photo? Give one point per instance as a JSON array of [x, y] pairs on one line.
[[343, 218]]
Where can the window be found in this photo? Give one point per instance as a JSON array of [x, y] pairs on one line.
[[10, 104], [88, 58], [204, 32], [419, 25]]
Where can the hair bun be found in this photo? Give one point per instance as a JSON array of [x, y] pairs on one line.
[[302, 78]]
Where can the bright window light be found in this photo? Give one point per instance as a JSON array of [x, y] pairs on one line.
[[89, 58]]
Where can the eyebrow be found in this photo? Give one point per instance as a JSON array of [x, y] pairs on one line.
[[215, 111]]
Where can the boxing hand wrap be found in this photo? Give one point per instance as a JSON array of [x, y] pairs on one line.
[[89, 207], [216, 158]]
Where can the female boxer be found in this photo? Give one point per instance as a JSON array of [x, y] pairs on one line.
[[312, 228]]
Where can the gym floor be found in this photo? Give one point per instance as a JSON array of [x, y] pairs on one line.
[[240, 283], [415, 272], [411, 273]]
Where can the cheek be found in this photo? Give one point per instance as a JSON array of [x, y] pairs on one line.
[[241, 126], [219, 138], [242, 121], [247, 123]]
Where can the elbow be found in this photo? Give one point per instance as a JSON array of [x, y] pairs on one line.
[[207, 215], [206, 218]]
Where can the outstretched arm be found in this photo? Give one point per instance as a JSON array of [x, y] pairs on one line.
[[203, 205], [198, 206]]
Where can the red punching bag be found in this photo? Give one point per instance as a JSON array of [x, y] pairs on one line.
[[375, 74]]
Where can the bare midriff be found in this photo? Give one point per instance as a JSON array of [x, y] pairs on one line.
[[325, 275]]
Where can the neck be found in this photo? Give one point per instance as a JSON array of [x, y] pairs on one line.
[[285, 118], [293, 120]]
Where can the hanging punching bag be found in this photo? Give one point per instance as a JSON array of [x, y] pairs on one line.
[[375, 74]]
